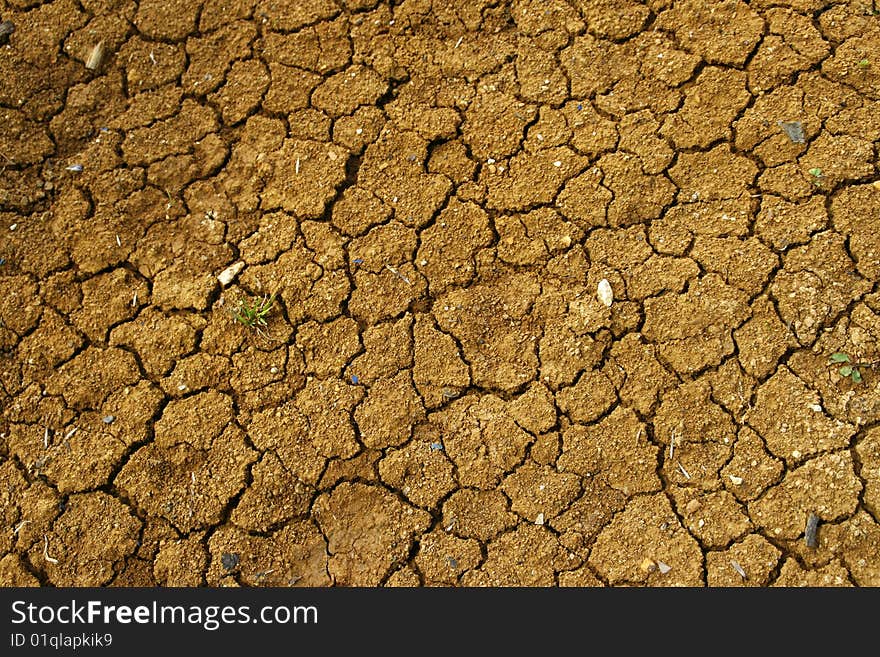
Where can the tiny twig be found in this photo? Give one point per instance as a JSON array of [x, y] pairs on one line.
[[46, 550], [739, 569], [398, 274]]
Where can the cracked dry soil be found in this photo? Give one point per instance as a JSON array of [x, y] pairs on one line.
[[434, 191]]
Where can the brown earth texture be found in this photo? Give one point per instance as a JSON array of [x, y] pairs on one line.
[[443, 393]]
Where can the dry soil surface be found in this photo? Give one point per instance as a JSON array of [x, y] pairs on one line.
[[434, 191]]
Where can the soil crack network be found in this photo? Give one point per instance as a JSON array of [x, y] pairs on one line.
[[439, 293]]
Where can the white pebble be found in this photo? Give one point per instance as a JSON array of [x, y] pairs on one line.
[[228, 275], [605, 293]]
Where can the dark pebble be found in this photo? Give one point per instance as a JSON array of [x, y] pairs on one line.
[[6, 28], [810, 537], [229, 560]]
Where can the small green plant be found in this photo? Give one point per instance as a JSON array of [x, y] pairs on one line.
[[817, 174], [848, 368], [864, 64], [253, 312]]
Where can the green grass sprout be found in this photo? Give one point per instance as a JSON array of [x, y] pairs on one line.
[[848, 368], [252, 312]]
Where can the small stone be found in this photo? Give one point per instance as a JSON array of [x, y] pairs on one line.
[[648, 565], [664, 568], [229, 560], [228, 275], [810, 537], [108, 419], [735, 480], [605, 293], [6, 28], [692, 506], [539, 520]]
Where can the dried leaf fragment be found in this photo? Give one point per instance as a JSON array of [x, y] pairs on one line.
[[96, 56]]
